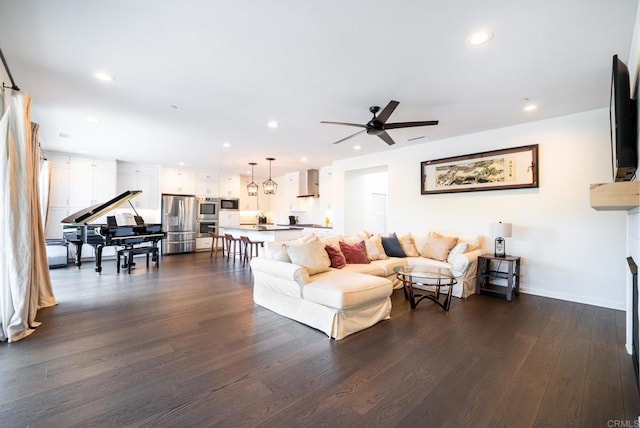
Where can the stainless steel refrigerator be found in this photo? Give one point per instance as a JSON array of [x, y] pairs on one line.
[[179, 221]]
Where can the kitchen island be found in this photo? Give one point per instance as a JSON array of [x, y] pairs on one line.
[[265, 232]]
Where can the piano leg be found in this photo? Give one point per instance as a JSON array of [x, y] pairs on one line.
[[98, 249], [78, 254]]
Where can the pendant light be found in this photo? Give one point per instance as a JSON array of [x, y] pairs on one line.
[[252, 188], [270, 187]]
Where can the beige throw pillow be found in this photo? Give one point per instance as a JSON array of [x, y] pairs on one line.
[[438, 248], [406, 242], [474, 242], [375, 250], [310, 255]]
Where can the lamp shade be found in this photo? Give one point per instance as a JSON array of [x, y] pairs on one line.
[[501, 230]]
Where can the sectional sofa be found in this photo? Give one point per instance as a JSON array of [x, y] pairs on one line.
[[306, 279]]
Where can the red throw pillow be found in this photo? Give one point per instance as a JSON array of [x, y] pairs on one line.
[[356, 253], [337, 258]]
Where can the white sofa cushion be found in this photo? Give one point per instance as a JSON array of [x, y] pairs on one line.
[[369, 268], [342, 289], [425, 262], [387, 265], [459, 248], [310, 255]]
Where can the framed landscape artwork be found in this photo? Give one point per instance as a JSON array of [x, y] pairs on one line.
[[514, 168]]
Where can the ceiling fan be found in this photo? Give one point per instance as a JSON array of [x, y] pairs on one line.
[[378, 124]]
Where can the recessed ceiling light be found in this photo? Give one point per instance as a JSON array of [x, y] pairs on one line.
[[92, 119], [356, 147], [273, 124], [105, 77], [529, 105], [64, 135], [226, 145], [480, 38], [181, 163], [303, 159]]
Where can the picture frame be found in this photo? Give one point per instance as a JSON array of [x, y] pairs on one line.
[[513, 168]]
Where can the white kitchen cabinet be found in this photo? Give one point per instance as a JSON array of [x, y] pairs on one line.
[[77, 183], [91, 181], [229, 218], [207, 183], [59, 189], [326, 187], [291, 189], [134, 176], [55, 215], [203, 244], [248, 203], [178, 181], [230, 186]]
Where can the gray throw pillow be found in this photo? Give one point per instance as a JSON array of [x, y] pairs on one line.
[[392, 246]]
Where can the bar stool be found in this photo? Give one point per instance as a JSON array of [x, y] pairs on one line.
[[214, 244], [236, 244], [248, 247]]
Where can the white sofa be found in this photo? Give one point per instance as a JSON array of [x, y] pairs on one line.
[[342, 301]]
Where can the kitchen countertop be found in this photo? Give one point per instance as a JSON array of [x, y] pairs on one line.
[[263, 227], [303, 225]]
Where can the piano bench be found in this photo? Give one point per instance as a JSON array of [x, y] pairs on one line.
[[128, 254]]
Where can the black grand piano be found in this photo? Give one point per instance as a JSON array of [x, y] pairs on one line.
[[78, 230]]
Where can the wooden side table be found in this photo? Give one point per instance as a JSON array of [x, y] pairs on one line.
[[489, 269]]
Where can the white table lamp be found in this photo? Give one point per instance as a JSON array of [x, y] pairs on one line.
[[500, 231]]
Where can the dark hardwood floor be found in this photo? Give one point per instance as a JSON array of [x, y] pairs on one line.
[[184, 345]]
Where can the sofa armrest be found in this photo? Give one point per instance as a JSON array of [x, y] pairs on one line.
[[279, 269], [461, 263]]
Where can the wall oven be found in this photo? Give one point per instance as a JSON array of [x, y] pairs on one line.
[[203, 227], [208, 208]]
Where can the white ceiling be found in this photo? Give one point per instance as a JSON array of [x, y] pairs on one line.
[[232, 66]]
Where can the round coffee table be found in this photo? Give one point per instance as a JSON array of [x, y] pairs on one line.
[[430, 283]]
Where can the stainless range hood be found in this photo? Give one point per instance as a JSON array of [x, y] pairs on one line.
[[309, 184]]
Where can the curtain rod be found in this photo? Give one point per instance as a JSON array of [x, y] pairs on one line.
[[6, 67]]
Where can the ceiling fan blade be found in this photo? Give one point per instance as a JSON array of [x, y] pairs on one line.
[[350, 136], [409, 124], [344, 123], [386, 138], [386, 112]]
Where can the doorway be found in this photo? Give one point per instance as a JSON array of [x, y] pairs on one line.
[[366, 200]]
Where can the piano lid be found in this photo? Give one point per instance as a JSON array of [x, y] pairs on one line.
[[88, 215]]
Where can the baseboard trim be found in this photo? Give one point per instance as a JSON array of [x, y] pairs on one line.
[[621, 306]]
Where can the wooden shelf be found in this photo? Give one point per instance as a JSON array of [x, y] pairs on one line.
[[623, 195]]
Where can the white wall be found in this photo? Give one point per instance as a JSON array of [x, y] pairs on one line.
[[569, 250]]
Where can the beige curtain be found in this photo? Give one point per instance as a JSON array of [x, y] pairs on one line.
[[25, 284]]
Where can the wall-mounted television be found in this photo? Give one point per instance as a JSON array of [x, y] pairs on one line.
[[624, 125]]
